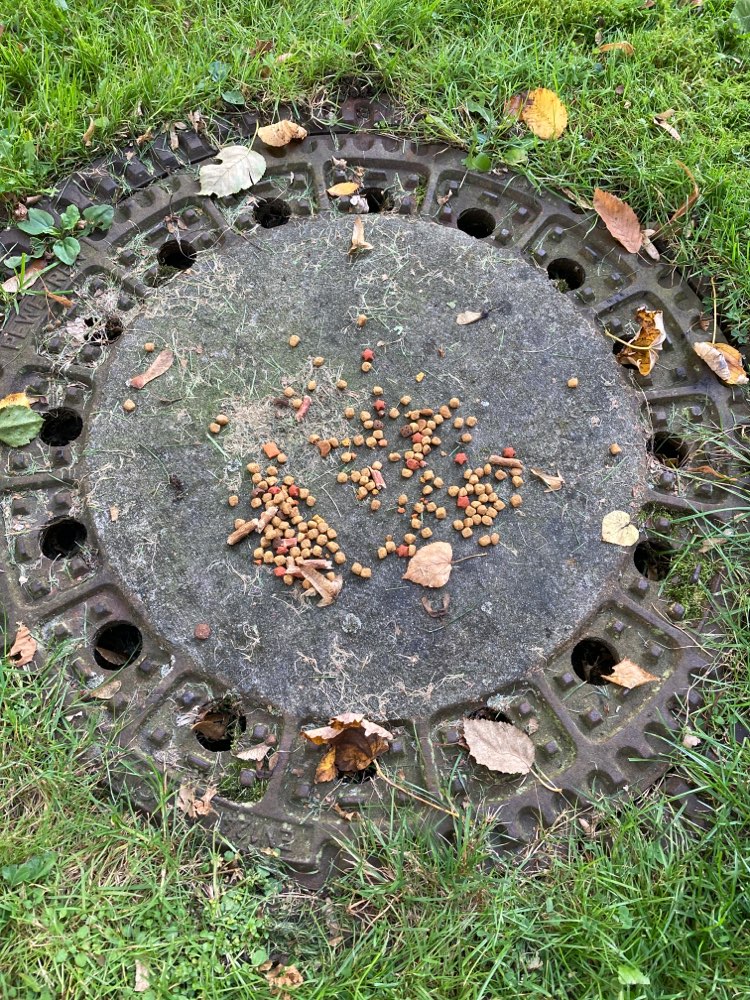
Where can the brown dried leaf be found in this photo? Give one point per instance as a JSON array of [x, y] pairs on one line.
[[114, 514], [255, 754], [625, 47], [344, 189], [515, 104], [662, 120], [193, 805], [163, 363], [88, 135], [326, 769], [643, 351], [142, 980], [553, 483], [284, 977], [723, 360], [329, 590], [545, 114], [33, 272], [24, 647], [358, 237], [617, 529], [104, 691], [354, 752], [620, 219], [213, 723], [281, 133], [15, 399], [431, 565], [465, 318], [347, 720], [628, 674], [499, 746]]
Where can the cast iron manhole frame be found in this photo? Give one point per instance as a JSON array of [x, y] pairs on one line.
[[611, 751]]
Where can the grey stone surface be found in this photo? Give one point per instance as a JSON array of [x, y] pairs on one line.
[[228, 319]]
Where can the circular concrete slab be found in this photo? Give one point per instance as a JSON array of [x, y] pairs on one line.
[[228, 321]]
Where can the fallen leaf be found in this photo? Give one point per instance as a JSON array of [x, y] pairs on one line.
[[499, 746], [174, 142], [348, 815], [281, 133], [114, 514], [15, 399], [690, 741], [628, 674], [24, 647], [648, 246], [545, 114], [193, 805], [344, 189], [260, 48], [358, 237], [239, 168], [618, 529], [88, 135], [113, 658], [32, 273], [163, 363], [431, 565], [326, 769], [662, 120], [329, 590], [625, 47], [104, 691], [620, 220], [255, 754], [515, 104], [146, 137], [553, 483], [347, 720], [465, 318], [142, 980], [643, 351], [215, 724], [284, 977], [354, 752], [62, 300], [19, 425], [723, 360]]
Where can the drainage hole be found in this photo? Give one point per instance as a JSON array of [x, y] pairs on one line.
[[62, 538], [669, 449], [653, 559], [60, 427], [490, 714], [476, 222], [357, 777], [113, 328], [592, 660], [178, 254], [272, 212], [567, 272], [218, 726], [378, 200], [117, 645]]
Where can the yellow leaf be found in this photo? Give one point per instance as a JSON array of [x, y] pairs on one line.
[[15, 399], [643, 351], [281, 133], [326, 769], [620, 220], [628, 674], [545, 114], [625, 47], [723, 360], [431, 566], [617, 529], [344, 189]]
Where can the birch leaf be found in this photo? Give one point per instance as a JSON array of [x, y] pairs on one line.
[[628, 674], [618, 529], [499, 746], [19, 425], [431, 565]]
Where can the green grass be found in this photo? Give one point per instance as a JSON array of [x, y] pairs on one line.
[[138, 64], [88, 886]]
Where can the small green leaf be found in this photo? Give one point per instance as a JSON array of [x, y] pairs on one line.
[[218, 71], [99, 216], [258, 956], [474, 108], [478, 161], [37, 222], [233, 97], [14, 262], [19, 425], [515, 155], [630, 976], [35, 867], [67, 250], [741, 16], [69, 218]]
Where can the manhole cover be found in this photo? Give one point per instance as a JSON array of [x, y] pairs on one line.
[[118, 518]]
